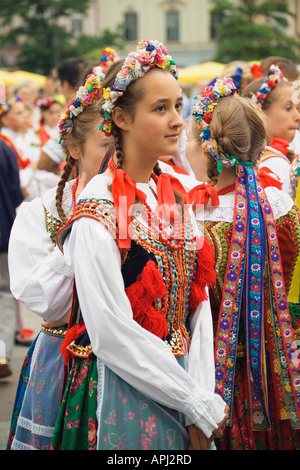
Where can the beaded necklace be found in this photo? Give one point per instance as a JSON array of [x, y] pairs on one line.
[[174, 241], [226, 189], [74, 189]]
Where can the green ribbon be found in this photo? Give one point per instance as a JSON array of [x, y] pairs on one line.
[[237, 163]]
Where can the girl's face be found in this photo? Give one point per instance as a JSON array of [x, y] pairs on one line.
[[51, 116], [155, 128], [93, 152], [282, 115], [15, 118]]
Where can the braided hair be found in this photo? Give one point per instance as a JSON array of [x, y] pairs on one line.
[[82, 126]]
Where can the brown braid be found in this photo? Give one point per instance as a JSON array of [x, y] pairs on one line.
[[211, 170], [67, 171], [156, 169], [118, 146]]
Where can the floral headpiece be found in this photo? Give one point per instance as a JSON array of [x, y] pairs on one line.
[[87, 94], [148, 54], [46, 101], [256, 70], [202, 110], [109, 56], [274, 76], [6, 106]]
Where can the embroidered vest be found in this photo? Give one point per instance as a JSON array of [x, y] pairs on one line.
[[163, 285]]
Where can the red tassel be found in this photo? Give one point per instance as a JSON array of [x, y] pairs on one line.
[[205, 274], [70, 336], [148, 287]]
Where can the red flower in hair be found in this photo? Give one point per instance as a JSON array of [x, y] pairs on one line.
[[256, 71], [207, 117], [271, 84]]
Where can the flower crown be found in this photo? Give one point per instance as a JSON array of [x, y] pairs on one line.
[[7, 105], [47, 101], [202, 110], [274, 76], [148, 54], [109, 56], [87, 94]]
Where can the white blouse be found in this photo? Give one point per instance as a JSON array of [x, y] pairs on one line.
[[281, 203], [142, 359], [39, 276], [281, 166]]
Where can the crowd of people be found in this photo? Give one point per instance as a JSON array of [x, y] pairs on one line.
[[161, 253]]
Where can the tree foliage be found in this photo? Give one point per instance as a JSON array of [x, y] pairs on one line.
[[252, 30], [42, 40]]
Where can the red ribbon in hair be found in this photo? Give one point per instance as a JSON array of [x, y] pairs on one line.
[[279, 144], [268, 178], [201, 194]]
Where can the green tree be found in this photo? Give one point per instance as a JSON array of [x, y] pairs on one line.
[[253, 29], [42, 40]]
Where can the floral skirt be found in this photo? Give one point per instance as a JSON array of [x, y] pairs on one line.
[[240, 436], [39, 393], [100, 411]]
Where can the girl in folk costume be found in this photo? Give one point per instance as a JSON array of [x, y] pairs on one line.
[[275, 96], [12, 119], [51, 110], [254, 229], [39, 276], [145, 379]]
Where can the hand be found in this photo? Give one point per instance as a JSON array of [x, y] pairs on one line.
[[81, 184], [199, 441], [221, 426], [57, 323]]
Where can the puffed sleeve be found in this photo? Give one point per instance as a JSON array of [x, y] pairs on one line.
[[139, 357], [39, 276]]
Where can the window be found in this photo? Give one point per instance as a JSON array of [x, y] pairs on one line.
[[130, 26], [215, 23], [172, 25], [76, 25]]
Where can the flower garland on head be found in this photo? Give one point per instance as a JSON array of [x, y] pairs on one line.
[[274, 76], [202, 111], [109, 56], [6, 106], [87, 94], [148, 54], [45, 102]]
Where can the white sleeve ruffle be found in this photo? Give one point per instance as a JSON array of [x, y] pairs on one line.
[[39, 276]]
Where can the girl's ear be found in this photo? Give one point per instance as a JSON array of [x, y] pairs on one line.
[[121, 118], [74, 148]]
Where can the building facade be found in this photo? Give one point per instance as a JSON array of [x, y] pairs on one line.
[[185, 26]]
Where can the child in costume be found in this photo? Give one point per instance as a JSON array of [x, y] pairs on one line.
[[254, 229], [41, 279], [275, 96], [12, 120], [141, 344]]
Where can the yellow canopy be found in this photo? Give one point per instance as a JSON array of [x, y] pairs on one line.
[[207, 70], [13, 78]]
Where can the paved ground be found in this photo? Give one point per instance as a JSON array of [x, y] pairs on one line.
[[8, 386]]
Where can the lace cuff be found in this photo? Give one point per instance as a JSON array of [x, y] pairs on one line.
[[57, 263], [205, 412]]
